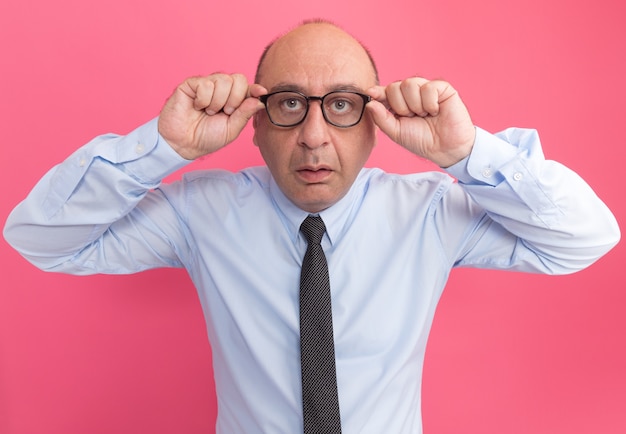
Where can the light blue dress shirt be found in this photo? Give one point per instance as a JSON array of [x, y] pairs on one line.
[[391, 243]]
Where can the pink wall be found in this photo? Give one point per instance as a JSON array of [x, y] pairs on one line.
[[509, 353]]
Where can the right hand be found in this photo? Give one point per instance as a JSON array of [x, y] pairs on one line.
[[426, 117], [205, 114]]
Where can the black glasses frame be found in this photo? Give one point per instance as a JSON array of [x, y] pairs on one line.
[[366, 99]]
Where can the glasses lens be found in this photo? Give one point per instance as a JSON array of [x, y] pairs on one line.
[[286, 108], [343, 109]]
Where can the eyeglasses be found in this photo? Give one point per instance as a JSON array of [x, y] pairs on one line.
[[341, 108]]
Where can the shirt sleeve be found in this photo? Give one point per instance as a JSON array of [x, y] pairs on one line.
[[550, 219], [67, 221]]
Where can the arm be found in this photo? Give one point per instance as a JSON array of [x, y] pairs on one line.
[[560, 224], [546, 217], [66, 218], [84, 216]]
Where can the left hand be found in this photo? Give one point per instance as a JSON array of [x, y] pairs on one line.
[[426, 117]]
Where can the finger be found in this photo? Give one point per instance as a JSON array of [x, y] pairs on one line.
[[238, 92], [411, 89], [383, 118], [241, 116], [194, 92], [215, 100], [430, 99], [378, 93], [396, 101], [200, 90], [435, 93], [244, 112], [256, 90], [189, 87]]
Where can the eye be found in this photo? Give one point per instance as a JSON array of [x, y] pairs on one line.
[[340, 105], [292, 104]]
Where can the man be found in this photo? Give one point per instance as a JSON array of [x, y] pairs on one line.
[[390, 240]]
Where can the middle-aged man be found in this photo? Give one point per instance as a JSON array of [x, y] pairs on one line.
[[390, 240]]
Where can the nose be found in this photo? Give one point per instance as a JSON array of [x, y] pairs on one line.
[[314, 130]]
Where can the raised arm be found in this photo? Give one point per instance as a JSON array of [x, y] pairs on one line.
[[84, 216], [547, 219]]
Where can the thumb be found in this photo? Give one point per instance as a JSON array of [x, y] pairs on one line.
[[240, 117], [383, 118]]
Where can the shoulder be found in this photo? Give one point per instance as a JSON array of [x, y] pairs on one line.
[[423, 183], [218, 187], [425, 193], [248, 177]]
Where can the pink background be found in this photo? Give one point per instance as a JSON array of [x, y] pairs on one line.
[[509, 353]]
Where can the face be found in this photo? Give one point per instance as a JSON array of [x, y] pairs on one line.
[[315, 163]]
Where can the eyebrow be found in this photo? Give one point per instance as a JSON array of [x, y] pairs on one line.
[[280, 87]]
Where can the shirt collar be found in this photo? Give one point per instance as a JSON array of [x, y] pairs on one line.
[[336, 218]]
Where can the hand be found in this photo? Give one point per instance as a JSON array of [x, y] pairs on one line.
[[426, 117], [205, 114]]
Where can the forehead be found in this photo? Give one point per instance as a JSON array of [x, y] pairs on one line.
[[317, 58]]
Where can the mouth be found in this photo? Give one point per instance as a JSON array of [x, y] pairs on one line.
[[314, 175]]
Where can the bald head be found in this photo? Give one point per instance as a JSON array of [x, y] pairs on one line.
[[316, 35]]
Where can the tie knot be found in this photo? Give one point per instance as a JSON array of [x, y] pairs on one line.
[[313, 229]]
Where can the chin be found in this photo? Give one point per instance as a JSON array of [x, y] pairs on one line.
[[317, 203]]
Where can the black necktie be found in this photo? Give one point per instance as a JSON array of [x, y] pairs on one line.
[[320, 403]]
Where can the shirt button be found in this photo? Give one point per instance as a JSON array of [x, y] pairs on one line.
[[82, 162], [487, 172], [139, 148], [518, 176]]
